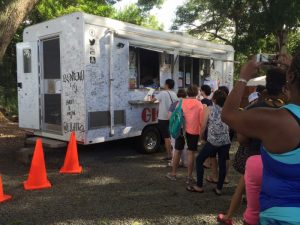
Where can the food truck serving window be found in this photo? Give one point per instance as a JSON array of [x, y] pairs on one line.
[[144, 68], [191, 69]]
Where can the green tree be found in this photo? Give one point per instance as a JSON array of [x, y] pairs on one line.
[[147, 5], [134, 14], [247, 25]]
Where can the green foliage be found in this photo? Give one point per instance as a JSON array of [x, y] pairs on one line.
[[147, 5], [131, 14], [247, 25], [250, 26], [49, 9], [134, 14]]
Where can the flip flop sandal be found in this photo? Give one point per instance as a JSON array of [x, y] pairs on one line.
[[224, 221], [210, 180], [216, 192], [192, 189], [171, 177]]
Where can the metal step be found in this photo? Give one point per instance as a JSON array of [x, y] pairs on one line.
[[47, 142]]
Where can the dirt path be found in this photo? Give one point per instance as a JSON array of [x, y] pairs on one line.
[[118, 186]]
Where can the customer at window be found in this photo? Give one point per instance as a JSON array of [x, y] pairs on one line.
[[193, 116], [165, 98]]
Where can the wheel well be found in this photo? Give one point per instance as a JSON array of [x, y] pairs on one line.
[[156, 127]]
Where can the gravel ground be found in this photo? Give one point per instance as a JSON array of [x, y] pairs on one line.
[[118, 186]]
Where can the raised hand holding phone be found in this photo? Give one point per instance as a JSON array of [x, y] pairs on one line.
[[249, 69]]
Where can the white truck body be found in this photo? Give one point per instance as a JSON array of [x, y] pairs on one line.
[[88, 74]]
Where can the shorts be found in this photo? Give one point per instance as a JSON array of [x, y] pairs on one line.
[[214, 154], [191, 141], [163, 126]]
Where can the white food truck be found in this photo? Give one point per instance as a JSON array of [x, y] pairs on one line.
[[90, 74]]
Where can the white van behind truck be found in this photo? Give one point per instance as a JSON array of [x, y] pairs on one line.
[[90, 74]]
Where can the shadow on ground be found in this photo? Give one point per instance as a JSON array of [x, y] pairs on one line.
[[118, 186]]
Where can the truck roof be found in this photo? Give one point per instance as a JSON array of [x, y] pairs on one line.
[[154, 38]]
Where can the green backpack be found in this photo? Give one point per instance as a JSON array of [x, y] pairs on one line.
[[176, 122]]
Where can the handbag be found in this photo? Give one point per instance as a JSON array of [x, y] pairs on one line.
[[240, 159]]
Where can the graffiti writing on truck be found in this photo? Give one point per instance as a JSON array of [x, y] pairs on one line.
[[149, 115], [73, 78], [70, 108], [70, 127]]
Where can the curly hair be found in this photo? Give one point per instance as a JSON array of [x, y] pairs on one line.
[[275, 81]]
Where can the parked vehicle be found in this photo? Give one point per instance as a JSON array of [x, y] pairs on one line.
[[89, 74]]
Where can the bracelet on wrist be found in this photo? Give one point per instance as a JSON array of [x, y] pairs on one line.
[[242, 80]]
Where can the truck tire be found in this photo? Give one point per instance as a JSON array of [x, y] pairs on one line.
[[150, 140]]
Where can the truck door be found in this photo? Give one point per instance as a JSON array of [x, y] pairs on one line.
[[28, 85], [51, 85]]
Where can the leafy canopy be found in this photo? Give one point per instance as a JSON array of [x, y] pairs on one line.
[[247, 25]]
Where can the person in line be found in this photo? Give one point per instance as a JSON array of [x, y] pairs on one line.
[[213, 178], [205, 92], [181, 94], [274, 97], [218, 141], [278, 130], [165, 98], [193, 116]]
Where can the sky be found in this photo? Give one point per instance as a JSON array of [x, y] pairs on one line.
[[165, 15]]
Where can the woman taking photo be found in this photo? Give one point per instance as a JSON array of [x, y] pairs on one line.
[[279, 131]]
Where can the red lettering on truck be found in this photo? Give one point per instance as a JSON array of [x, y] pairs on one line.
[[146, 115]]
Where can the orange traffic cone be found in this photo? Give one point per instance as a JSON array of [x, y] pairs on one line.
[[3, 197], [71, 164], [37, 178]]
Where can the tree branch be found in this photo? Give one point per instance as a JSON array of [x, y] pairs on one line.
[[214, 34]]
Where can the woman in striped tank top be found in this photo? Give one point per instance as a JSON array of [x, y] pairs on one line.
[[279, 130]]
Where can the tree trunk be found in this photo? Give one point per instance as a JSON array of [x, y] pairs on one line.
[[11, 17], [282, 39]]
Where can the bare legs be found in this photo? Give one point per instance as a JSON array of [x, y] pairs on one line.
[[175, 161], [228, 164], [214, 170], [191, 159], [168, 147], [236, 198]]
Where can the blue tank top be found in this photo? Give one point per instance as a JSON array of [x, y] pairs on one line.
[[280, 195]]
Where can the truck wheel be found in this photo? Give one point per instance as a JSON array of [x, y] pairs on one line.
[[150, 140]]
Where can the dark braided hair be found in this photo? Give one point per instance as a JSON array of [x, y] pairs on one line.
[[295, 69]]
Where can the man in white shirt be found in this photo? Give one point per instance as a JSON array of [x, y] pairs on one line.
[[166, 98]]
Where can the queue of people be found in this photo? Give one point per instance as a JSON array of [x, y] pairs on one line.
[[268, 157]]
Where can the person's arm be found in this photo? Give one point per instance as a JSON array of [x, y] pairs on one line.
[[262, 123], [254, 123], [157, 97], [204, 119]]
